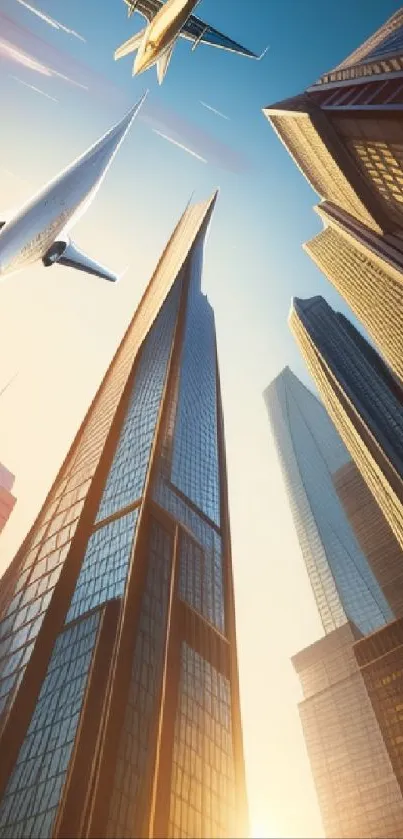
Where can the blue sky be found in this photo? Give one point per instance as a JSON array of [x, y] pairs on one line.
[[59, 330]]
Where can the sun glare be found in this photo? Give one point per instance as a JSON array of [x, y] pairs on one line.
[[259, 830]]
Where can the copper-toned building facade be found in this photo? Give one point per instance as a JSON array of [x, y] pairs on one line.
[[367, 270], [346, 131], [118, 671], [362, 398], [380, 658], [358, 793], [377, 542]]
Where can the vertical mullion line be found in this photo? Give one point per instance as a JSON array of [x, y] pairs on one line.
[[170, 625], [230, 626], [138, 558]]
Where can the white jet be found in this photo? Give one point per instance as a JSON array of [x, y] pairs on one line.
[[38, 231], [166, 23]]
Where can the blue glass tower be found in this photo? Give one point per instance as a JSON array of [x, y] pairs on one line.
[[118, 673], [311, 453]]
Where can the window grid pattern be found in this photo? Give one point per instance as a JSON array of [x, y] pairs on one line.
[[209, 541], [366, 60], [195, 467], [373, 533], [32, 797], [128, 472], [105, 565], [357, 789], [202, 791], [310, 153], [383, 676], [128, 791], [164, 490], [381, 161], [367, 455], [200, 580], [374, 294], [311, 452], [62, 511], [367, 389], [393, 42]]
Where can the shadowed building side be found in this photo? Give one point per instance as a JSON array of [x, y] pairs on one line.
[[362, 397], [119, 682], [373, 533], [367, 270], [379, 657]]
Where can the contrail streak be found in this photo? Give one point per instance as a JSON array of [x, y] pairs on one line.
[[179, 145], [213, 110], [32, 87], [50, 20]]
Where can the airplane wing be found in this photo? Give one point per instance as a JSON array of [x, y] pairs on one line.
[[199, 32], [147, 8]]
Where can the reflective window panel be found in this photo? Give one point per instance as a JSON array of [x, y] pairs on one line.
[[137, 731], [32, 797]]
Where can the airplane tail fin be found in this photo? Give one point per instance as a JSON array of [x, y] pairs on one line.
[[67, 253], [129, 46]]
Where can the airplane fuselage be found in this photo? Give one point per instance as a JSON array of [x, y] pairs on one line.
[[28, 235], [162, 32]]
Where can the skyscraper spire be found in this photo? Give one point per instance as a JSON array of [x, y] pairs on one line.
[[123, 689]]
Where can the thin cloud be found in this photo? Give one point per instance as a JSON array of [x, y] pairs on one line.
[[203, 143], [18, 56], [179, 145], [51, 60], [32, 87], [213, 110], [50, 20]]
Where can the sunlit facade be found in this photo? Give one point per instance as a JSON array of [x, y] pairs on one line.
[[311, 452], [367, 270], [362, 397], [345, 132], [380, 660], [357, 789], [119, 686]]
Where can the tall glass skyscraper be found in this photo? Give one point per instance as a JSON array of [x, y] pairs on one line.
[[357, 791], [362, 397], [119, 685], [311, 452]]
